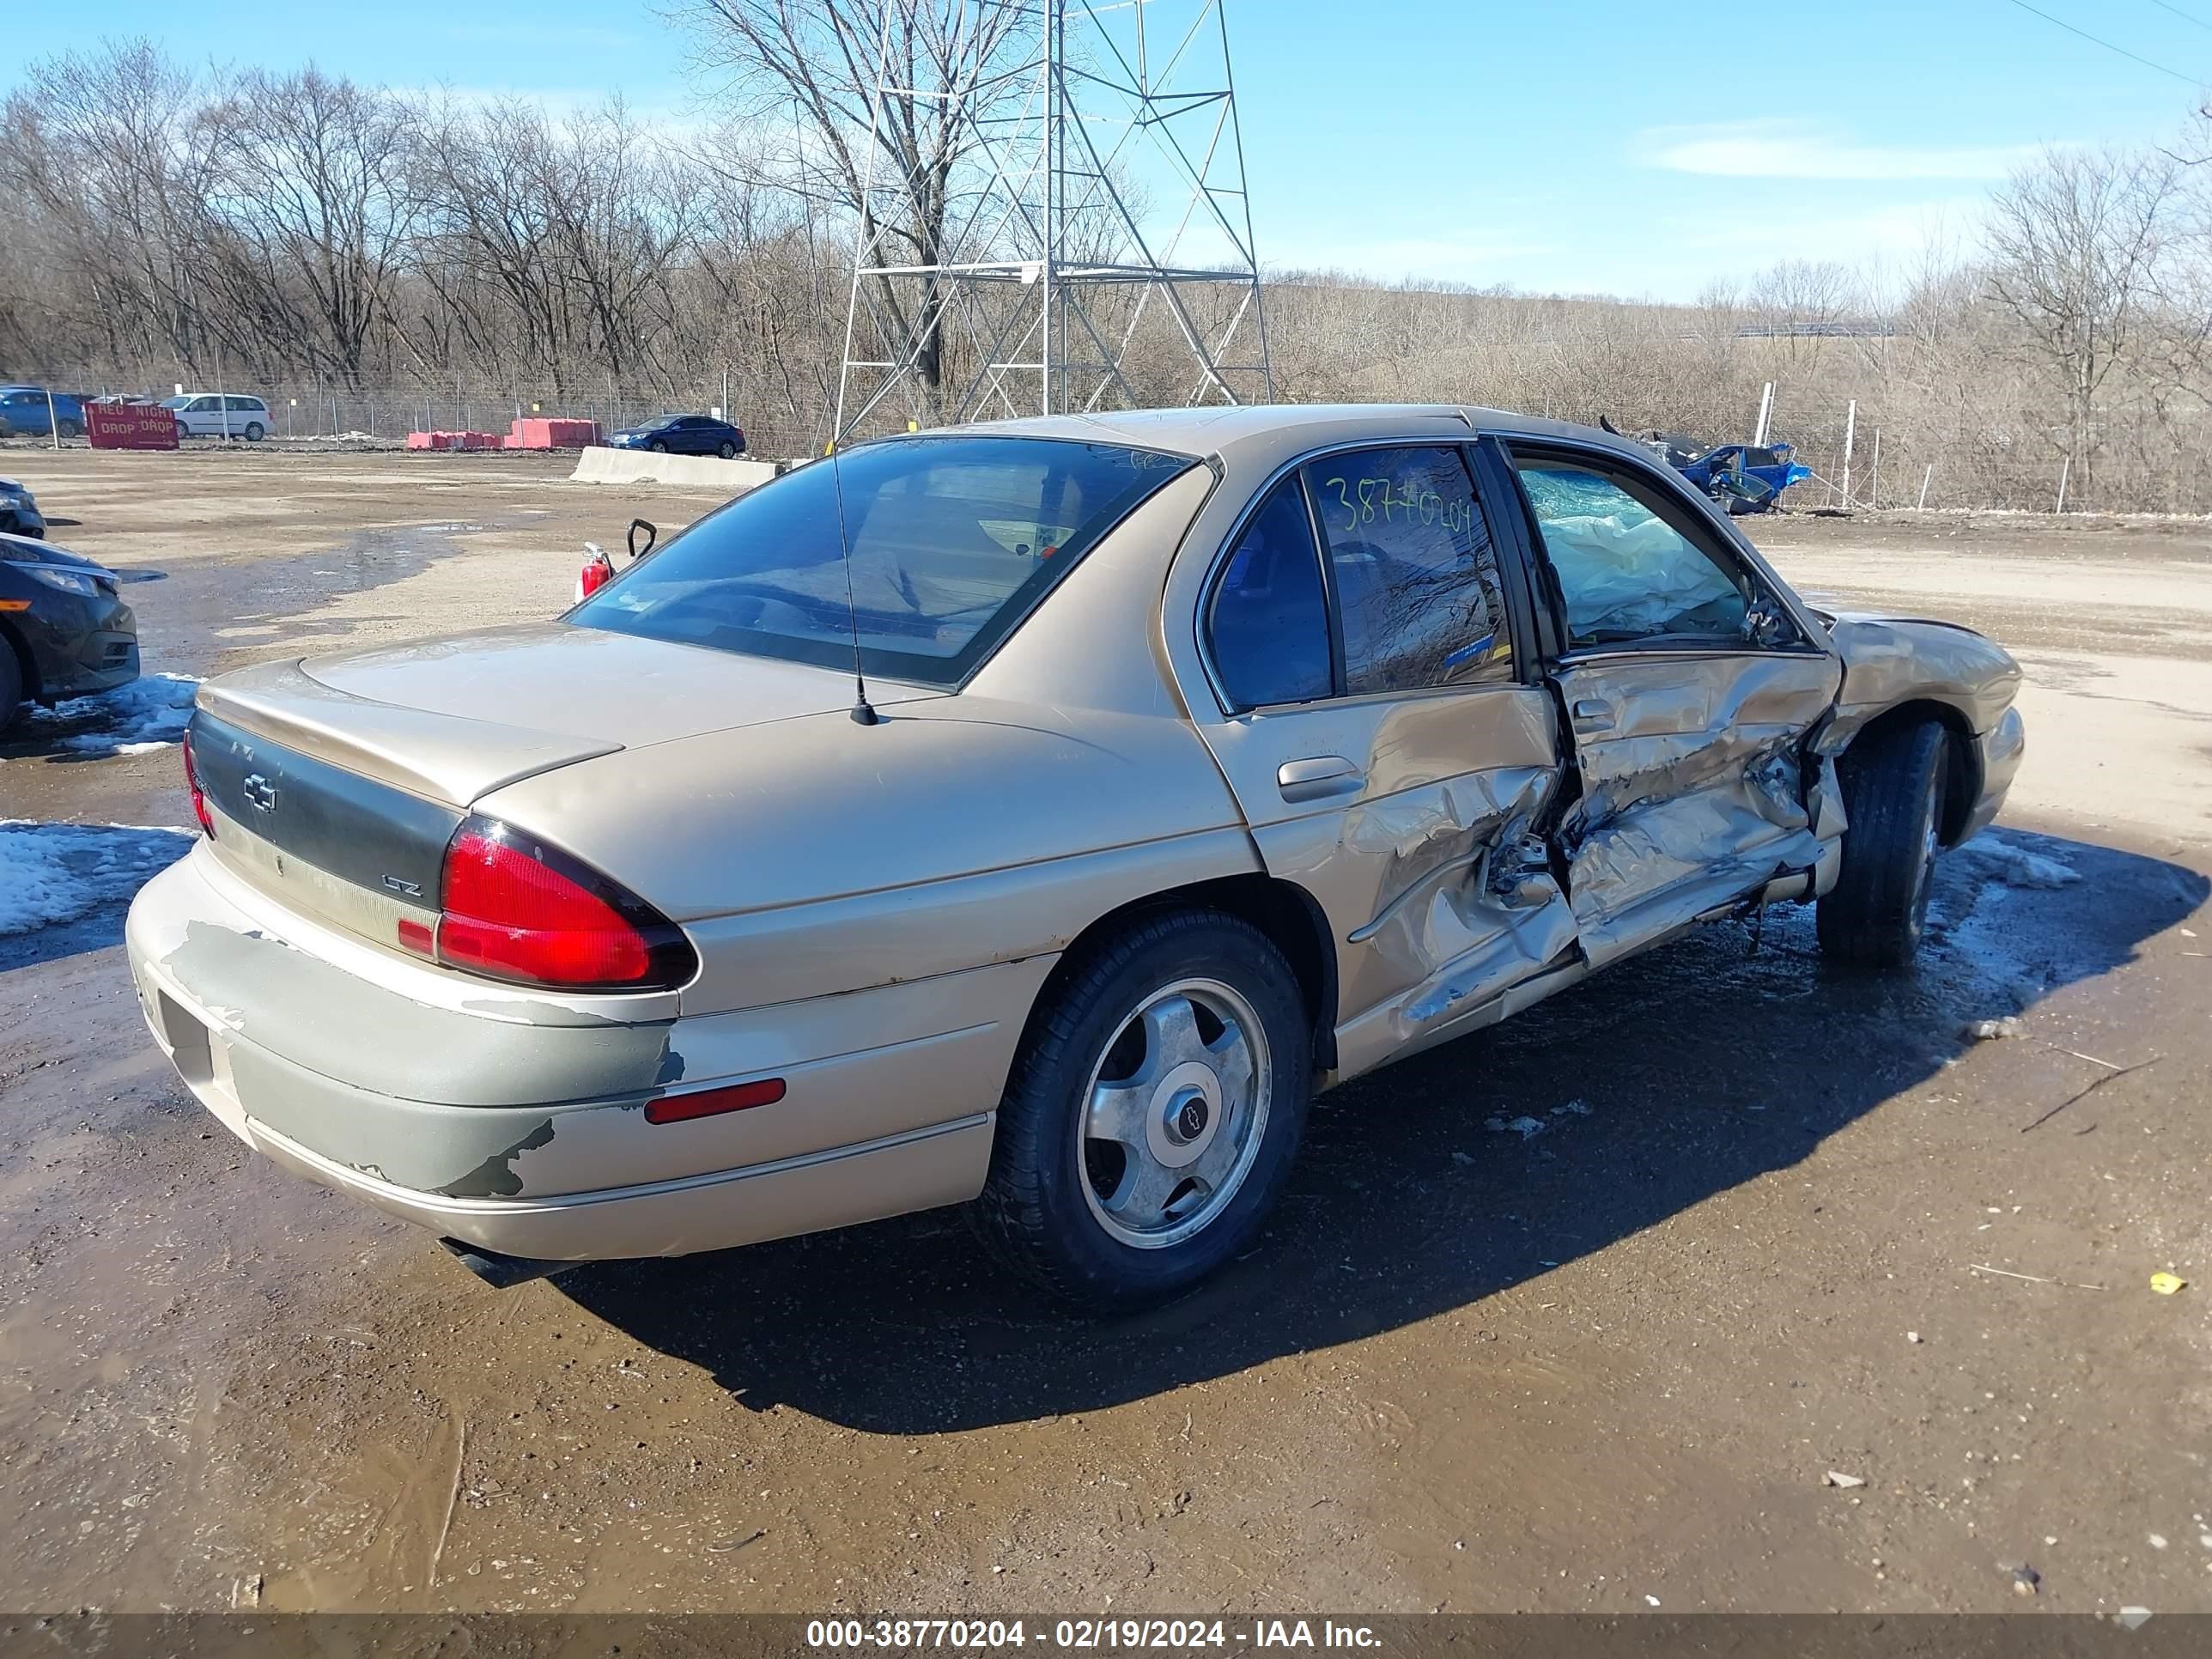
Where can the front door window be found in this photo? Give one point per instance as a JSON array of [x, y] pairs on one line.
[[1625, 574]]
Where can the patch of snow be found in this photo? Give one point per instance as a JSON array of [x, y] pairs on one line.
[[55, 872], [149, 714], [2002, 859], [1527, 1127]]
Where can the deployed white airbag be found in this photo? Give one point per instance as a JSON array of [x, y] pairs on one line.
[[1623, 577]]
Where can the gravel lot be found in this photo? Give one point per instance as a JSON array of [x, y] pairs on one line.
[[1768, 1231]]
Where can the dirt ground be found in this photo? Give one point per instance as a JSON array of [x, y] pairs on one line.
[[1781, 1223]]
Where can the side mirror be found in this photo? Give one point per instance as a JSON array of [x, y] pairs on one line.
[[652, 535], [1765, 625]]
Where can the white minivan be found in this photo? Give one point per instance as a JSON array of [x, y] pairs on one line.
[[219, 415]]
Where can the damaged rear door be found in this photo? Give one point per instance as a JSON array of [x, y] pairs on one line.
[[1688, 687], [1387, 737]]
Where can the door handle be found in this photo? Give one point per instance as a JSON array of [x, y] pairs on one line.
[[1317, 776], [1595, 715]]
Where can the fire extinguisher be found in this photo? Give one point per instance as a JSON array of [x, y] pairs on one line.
[[598, 570]]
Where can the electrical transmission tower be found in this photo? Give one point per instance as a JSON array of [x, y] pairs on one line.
[[1056, 222]]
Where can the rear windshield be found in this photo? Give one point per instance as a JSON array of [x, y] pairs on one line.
[[953, 541]]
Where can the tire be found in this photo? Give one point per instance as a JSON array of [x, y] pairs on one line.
[[11, 685], [1893, 783], [255, 432], [69, 429], [183, 432], [1119, 1222], [728, 452], [658, 447]]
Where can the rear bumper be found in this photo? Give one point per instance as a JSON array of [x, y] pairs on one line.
[[944, 1164], [281, 1031], [1996, 756]]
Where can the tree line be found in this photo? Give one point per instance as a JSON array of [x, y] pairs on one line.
[[413, 257]]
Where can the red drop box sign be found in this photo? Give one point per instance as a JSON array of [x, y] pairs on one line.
[[130, 426]]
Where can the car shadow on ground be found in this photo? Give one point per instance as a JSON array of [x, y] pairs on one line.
[[1699, 1067]]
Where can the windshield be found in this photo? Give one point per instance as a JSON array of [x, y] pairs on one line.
[[174, 403], [953, 540], [658, 423]]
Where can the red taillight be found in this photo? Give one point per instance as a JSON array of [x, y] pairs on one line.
[[516, 910], [712, 1102], [199, 795]]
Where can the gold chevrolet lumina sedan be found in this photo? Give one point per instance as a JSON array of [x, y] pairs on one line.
[[1029, 816]]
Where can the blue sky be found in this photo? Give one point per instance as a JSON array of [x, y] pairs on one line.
[[1618, 146]]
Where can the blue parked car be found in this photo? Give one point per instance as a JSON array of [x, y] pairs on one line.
[[23, 413], [682, 435]]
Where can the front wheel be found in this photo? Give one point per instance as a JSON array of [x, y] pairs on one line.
[[70, 429], [1892, 782], [183, 432], [658, 447], [11, 686], [1152, 1113]]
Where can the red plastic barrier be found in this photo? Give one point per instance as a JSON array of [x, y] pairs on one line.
[[552, 432], [452, 440], [130, 426]]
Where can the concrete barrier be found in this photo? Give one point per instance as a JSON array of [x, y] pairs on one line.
[[599, 464]]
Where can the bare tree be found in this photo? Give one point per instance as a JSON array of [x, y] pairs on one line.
[[2074, 243], [316, 177], [816, 63], [112, 149]]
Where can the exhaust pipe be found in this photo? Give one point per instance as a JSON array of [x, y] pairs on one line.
[[502, 1271]]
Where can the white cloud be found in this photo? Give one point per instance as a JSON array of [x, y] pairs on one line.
[[1774, 149]]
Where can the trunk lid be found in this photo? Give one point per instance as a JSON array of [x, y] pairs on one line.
[[451, 720], [337, 783]]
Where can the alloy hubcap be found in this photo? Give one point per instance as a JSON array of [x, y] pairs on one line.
[[1174, 1114]]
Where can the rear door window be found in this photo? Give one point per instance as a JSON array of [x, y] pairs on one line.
[[1415, 571], [1268, 622]]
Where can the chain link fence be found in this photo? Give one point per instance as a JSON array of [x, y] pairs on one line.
[[326, 408]]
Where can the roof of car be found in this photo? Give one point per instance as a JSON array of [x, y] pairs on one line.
[[1257, 432]]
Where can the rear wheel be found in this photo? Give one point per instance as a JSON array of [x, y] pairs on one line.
[[70, 429], [728, 452], [1152, 1113], [1892, 782], [254, 432]]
